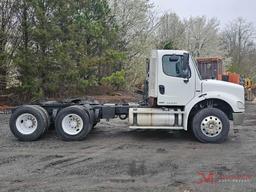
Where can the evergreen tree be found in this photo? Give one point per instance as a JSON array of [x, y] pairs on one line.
[[67, 46]]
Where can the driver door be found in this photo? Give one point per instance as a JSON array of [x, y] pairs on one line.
[[175, 81]]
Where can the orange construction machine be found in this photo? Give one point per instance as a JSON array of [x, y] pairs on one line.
[[212, 68]]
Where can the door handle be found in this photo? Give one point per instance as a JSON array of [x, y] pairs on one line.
[[161, 89], [186, 80]]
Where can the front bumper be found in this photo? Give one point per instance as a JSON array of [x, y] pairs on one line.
[[238, 118]]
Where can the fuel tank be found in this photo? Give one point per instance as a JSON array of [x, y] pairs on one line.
[[162, 117]]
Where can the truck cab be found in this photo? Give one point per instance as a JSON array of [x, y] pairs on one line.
[[178, 99], [173, 78]]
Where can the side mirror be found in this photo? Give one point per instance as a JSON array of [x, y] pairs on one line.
[[185, 68], [186, 74], [185, 62], [147, 65]]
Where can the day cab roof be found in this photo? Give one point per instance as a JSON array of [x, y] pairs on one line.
[[161, 52]]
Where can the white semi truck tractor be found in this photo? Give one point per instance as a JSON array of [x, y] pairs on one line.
[[175, 98]]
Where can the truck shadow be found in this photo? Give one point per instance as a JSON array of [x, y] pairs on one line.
[[161, 135]]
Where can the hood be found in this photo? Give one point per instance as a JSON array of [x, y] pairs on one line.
[[223, 86], [224, 89]]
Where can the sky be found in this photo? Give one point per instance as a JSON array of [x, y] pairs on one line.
[[224, 10]]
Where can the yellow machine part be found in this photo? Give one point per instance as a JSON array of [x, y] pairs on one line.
[[248, 84], [249, 89]]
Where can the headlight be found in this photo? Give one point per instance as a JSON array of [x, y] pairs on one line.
[[240, 105]]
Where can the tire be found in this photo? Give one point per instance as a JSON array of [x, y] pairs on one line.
[[73, 123], [46, 115], [211, 125], [27, 131]]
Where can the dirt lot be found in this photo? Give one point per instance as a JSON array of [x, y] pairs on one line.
[[113, 158]]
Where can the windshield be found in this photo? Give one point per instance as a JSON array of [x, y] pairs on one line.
[[196, 67]]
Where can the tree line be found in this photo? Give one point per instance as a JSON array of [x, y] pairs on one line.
[[61, 48]]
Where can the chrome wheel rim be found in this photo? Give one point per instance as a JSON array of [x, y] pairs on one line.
[[26, 124], [211, 126], [72, 124]]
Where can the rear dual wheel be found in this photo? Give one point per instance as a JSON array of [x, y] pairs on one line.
[[46, 115], [73, 123], [29, 122]]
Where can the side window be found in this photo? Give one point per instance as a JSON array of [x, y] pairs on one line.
[[173, 65]]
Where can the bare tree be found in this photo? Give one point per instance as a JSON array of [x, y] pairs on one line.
[[170, 31], [238, 39], [196, 34], [202, 36], [136, 22]]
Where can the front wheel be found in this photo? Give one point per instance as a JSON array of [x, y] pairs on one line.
[[211, 125]]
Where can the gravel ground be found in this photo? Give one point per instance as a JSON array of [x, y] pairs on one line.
[[114, 158]]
